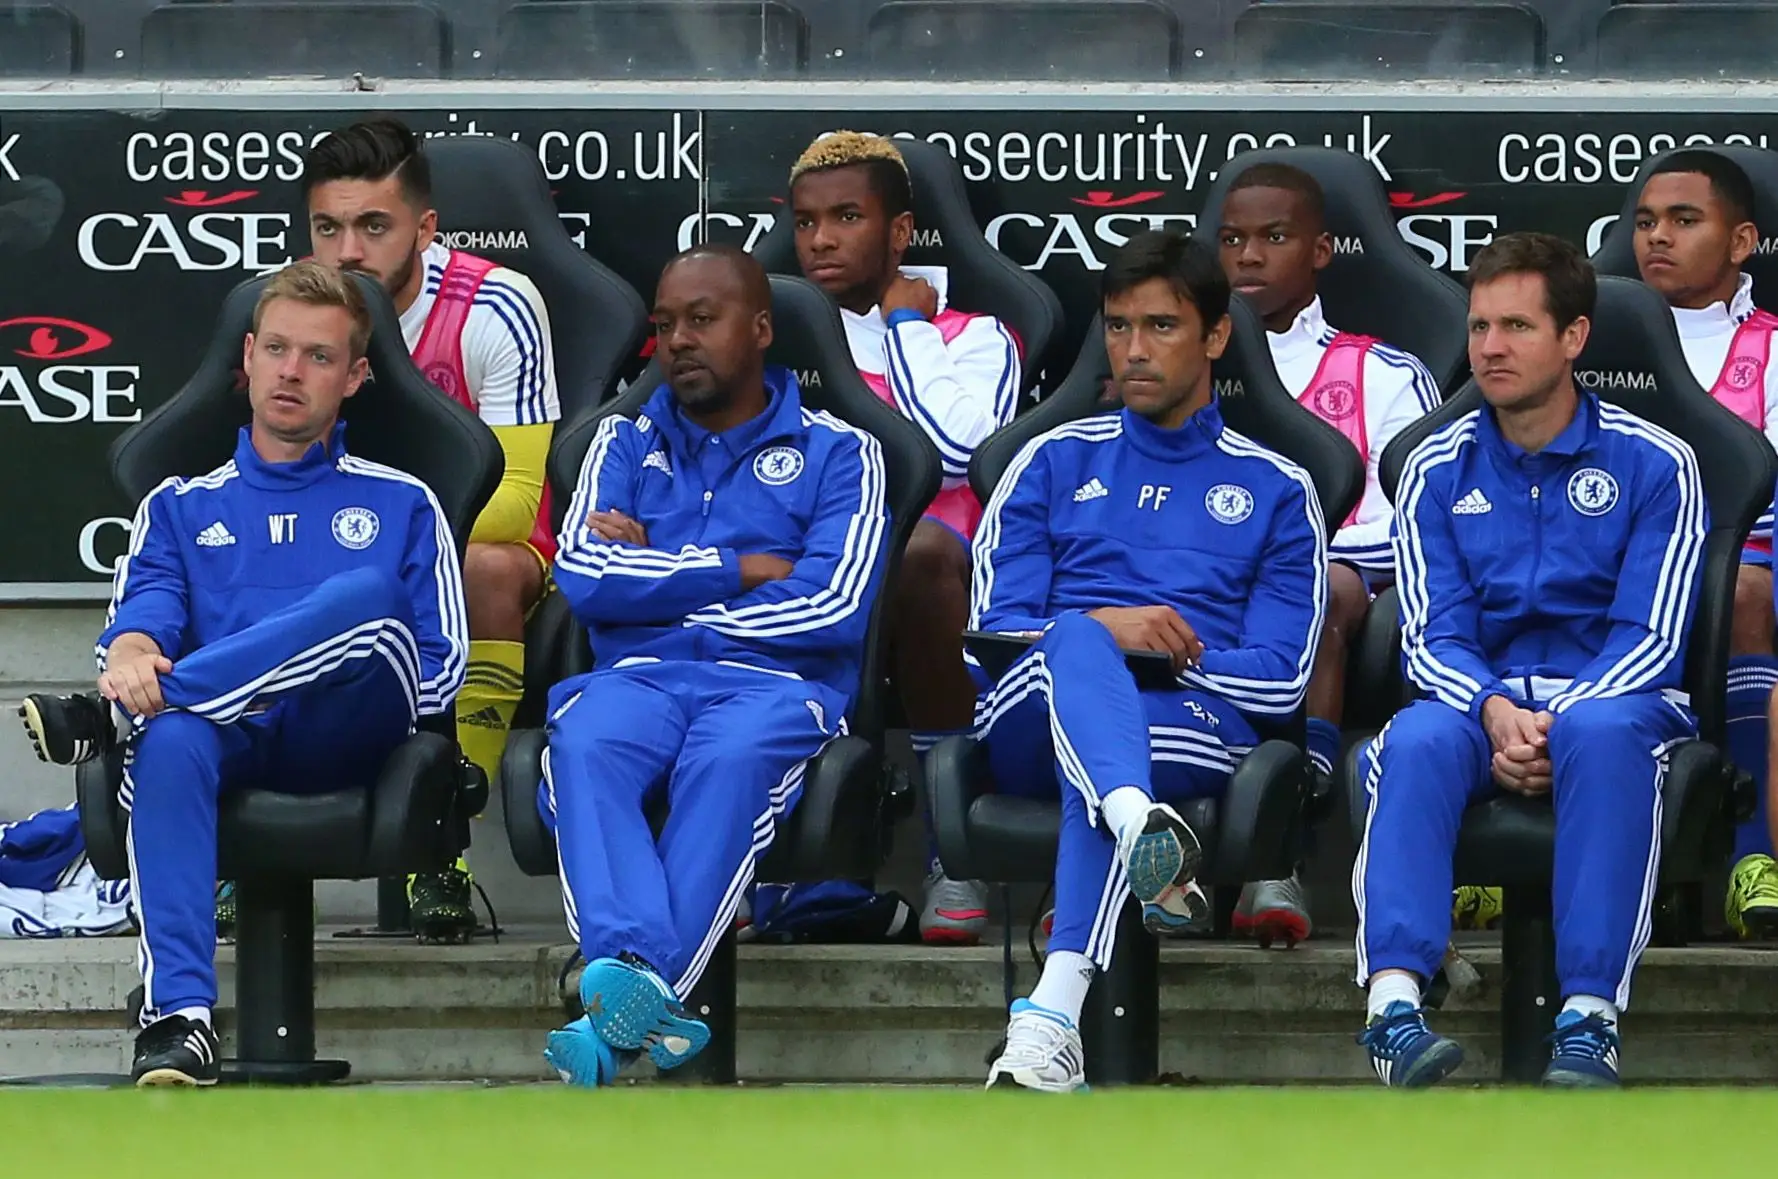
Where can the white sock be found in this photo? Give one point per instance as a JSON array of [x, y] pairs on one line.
[[1588, 1005], [195, 1014], [1123, 806], [1394, 987], [1063, 985]]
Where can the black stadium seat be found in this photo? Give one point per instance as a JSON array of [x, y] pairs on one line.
[[721, 39], [982, 279], [414, 816], [1250, 832], [1324, 39], [837, 830], [1007, 40], [1509, 841], [1692, 41], [39, 41], [1385, 289], [1617, 255], [493, 201], [377, 38]]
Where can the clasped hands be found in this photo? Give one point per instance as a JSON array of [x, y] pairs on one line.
[[1521, 743]]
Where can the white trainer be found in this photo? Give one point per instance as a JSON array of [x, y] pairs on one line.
[[1043, 1052]]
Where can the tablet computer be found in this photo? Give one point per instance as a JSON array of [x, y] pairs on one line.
[[998, 650]]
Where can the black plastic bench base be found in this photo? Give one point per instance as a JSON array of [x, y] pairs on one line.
[[284, 1072]]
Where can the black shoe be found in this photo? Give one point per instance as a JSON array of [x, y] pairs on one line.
[[176, 1051], [439, 908], [67, 730]]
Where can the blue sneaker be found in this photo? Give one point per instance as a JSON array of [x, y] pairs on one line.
[[1160, 858], [581, 1058], [1405, 1052], [632, 1008], [1584, 1055], [1182, 913]]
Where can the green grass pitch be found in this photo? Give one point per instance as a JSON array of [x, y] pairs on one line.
[[843, 1133]]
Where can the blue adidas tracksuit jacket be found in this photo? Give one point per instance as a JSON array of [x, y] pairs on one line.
[[716, 693], [311, 610], [1566, 581], [1112, 510]]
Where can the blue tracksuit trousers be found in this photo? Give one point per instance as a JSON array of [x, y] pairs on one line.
[[724, 746], [312, 698], [1068, 716], [1432, 762]]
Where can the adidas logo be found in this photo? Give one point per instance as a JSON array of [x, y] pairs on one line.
[[1091, 489], [215, 536], [1473, 504], [485, 718]]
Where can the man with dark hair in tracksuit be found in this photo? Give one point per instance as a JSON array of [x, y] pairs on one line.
[[1548, 550], [1156, 528], [281, 621], [723, 549]]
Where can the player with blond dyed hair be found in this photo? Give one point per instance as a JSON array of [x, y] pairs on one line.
[[956, 375]]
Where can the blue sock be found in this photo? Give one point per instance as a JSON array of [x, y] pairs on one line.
[[1751, 679], [1323, 743]]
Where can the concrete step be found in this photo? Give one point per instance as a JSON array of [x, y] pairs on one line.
[[1229, 1014]]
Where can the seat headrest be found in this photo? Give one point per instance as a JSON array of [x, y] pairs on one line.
[[1633, 359], [396, 418], [1376, 284], [946, 233], [494, 201], [1617, 253], [807, 338], [1254, 402]]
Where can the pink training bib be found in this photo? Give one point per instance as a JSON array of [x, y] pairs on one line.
[[1741, 385], [1335, 393], [439, 355]]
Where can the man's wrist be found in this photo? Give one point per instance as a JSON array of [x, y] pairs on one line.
[[903, 315]]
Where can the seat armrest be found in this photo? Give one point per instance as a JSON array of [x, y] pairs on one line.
[[521, 773], [416, 807], [1350, 775], [956, 775], [1375, 690], [102, 818], [1695, 805], [831, 834], [1259, 810]]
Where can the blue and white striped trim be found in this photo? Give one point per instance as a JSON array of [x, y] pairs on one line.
[[844, 594], [953, 453], [139, 536], [1275, 697], [1651, 872], [987, 536], [520, 318], [1373, 558], [436, 692], [385, 637], [582, 551], [1446, 683], [1674, 584], [1420, 378]]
